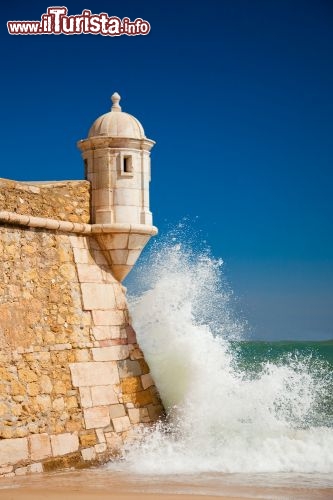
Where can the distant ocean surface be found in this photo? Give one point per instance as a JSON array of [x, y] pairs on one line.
[[250, 356], [253, 353]]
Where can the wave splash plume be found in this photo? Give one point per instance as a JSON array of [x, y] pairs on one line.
[[221, 418]]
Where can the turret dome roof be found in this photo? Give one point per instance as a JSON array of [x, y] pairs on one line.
[[116, 123]]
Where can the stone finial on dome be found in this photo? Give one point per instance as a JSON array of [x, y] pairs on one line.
[[115, 98]]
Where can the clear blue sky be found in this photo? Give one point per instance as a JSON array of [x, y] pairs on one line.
[[238, 96]]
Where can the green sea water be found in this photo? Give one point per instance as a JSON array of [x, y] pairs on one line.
[[251, 354], [312, 357]]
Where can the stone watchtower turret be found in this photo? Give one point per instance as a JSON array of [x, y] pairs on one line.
[[116, 155]]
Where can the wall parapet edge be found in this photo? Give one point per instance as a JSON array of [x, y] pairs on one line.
[[7, 217]]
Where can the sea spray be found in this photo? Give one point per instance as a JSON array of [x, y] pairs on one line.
[[220, 418]]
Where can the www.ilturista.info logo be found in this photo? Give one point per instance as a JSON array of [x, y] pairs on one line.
[[57, 22]]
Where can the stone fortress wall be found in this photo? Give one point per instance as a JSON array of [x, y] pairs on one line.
[[74, 384]]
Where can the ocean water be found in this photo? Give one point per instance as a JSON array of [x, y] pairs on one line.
[[234, 405]]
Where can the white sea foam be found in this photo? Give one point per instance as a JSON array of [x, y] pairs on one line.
[[221, 419]]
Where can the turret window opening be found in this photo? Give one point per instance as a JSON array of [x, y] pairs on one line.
[[127, 164]]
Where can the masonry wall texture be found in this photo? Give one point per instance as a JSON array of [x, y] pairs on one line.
[[74, 384], [67, 200]]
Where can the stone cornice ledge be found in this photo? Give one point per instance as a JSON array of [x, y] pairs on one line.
[[74, 227]]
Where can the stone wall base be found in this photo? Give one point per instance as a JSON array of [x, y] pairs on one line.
[[85, 458], [42, 453]]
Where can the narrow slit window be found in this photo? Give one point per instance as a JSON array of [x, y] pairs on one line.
[[127, 164]]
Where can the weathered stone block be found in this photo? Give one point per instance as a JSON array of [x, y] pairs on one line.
[[88, 439], [121, 424], [74, 460], [100, 258], [89, 273], [141, 398], [27, 375], [40, 446], [129, 368], [113, 241], [113, 342], [58, 404], [107, 275], [106, 332], [120, 271], [137, 415], [112, 353], [44, 402], [88, 454], [59, 387], [132, 257], [131, 335], [111, 318], [71, 403], [98, 296], [82, 355], [92, 373], [120, 296], [33, 389], [103, 395], [64, 255], [131, 384], [45, 384], [67, 270], [97, 416], [75, 424], [118, 256], [155, 412], [85, 397], [134, 415], [78, 241], [35, 468], [64, 443], [137, 241], [82, 256], [17, 389], [100, 435], [136, 353], [20, 432], [155, 395], [117, 410], [147, 381], [13, 450], [144, 366]]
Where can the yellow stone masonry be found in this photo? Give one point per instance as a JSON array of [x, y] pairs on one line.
[[74, 384], [65, 200]]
